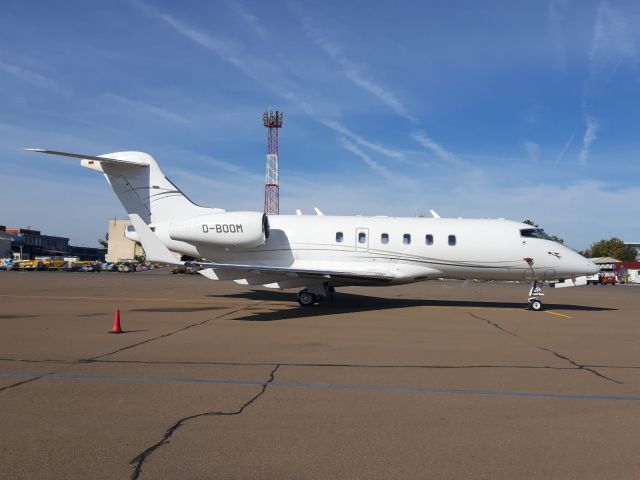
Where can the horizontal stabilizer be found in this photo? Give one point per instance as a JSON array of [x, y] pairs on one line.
[[90, 157]]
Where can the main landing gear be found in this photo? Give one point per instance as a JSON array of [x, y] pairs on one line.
[[315, 294], [534, 296]]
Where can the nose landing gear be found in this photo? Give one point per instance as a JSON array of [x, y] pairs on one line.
[[534, 296]]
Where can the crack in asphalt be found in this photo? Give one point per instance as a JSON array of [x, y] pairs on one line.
[[139, 460], [580, 366], [493, 324], [96, 358], [328, 365], [17, 384], [576, 365], [320, 365], [164, 335]]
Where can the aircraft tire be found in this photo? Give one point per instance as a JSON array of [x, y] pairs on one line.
[[306, 299], [535, 305]]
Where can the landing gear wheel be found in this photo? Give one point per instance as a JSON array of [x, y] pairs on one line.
[[535, 305], [306, 299]]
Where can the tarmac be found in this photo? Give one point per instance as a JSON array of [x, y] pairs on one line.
[[212, 380]]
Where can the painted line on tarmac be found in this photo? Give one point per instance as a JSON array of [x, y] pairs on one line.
[[325, 386], [557, 314]]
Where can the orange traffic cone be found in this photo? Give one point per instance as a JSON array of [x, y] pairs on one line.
[[116, 323]]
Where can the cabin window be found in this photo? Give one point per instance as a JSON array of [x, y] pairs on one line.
[[428, 239], [406, 239], [452, 240], [384, 238], [339, 237], [362, 237]]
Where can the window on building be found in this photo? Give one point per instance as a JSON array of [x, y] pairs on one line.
[[384, 238], [452, 240], [339, 237], [428, 239], [406, 239], [362, 237]]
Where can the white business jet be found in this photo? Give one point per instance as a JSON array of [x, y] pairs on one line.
[[320, 252]]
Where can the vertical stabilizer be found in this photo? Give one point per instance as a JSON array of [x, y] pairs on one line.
[[140, 185]]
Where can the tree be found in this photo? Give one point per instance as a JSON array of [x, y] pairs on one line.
[[104, 242], [614, 247]]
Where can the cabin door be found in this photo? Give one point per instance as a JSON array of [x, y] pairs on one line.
[[362, 240]]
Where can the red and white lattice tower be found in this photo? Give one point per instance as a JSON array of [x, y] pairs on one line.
[[272, 121]]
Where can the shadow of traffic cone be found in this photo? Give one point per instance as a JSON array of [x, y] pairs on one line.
[[116, 323]]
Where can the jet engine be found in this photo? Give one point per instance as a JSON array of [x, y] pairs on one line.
[[225, 230]]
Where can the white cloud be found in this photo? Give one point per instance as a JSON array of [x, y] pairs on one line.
[[75, 209], [560, 209], [376, 147], [152, 109], [34, 78], [260, 69], [438, 150], [612, 43], [375, 166], [354, 73], [565, 148], [590, 136], [241, 10], [555, 18]]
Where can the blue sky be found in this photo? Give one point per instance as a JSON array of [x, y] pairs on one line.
[[516, 109]]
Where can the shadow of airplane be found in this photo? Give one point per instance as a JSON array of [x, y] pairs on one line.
[[352, 303], [175, 309]]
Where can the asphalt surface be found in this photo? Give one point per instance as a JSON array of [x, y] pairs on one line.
[[210, 380]]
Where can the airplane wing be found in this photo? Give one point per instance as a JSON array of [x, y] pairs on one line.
[[280, 277], [286, 272]]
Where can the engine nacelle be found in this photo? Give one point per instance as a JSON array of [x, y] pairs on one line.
[[225, 230]]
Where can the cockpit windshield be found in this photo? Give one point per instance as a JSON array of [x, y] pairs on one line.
[[535, 233]]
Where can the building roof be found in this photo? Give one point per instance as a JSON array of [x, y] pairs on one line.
[[601, 260]]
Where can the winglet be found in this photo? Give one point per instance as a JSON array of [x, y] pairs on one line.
[[318, 212], [154, 249], [434, 214]]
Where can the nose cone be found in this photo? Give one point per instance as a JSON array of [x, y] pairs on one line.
[[592, 268], [582, 266]]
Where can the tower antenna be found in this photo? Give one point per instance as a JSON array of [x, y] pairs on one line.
[[272, 122]]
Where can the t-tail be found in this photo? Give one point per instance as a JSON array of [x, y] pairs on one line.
[[140, 185]]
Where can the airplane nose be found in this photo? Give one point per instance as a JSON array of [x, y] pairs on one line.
[[591, 268], [579, 265]]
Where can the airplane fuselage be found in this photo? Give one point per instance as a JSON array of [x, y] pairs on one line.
[[408, 249]]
